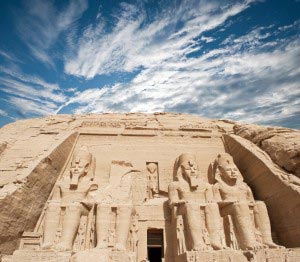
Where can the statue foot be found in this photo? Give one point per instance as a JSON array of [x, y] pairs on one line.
[[217, 246], [271, 244], [201, 247], [46, 246], [119, 247], [63, 246], [254, 247], [101, 246]]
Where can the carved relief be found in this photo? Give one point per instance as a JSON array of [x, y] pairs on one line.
[[180, 236], [133, 237]]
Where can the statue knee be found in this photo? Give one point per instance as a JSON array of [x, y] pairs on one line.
[[73, 207], [53, 206], [125, 208]]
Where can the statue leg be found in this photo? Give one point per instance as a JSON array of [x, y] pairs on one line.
[[102, 225], [213, 223], [243, 226], [194, 228], [122, 226], [262, 221], [51, 223], [70, 226]]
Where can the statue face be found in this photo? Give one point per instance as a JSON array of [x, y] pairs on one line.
[[229, 171], [79, 168], [152, 168], [189, 171]]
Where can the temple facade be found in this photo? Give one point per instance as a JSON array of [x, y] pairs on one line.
[[135, 187]]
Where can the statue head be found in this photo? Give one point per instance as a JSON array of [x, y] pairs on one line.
[[151, 167], [186, 167], [225, 168], [80, 165]]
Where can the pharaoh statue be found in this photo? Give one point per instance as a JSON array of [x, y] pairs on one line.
[[71, 194], [116, 197], [152, 178], [187, 194], [235, 198]]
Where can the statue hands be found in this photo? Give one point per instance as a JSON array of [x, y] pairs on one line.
[[180, 202], [88, 204]]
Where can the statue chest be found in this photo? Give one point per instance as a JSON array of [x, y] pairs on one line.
[[195, 195], [232, 193]]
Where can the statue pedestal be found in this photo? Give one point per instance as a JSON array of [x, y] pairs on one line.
[[103, 255], [37, 256], [220, 256], [276, 255]]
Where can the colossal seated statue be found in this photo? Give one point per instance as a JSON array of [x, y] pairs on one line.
[[236, 200], [187, 194], [71, 195]]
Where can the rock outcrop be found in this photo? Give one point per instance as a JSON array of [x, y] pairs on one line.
[[282, 144]]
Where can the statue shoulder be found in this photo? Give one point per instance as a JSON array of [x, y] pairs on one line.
[[216, 186]]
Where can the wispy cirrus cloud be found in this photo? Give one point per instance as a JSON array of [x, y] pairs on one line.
[[40, 25], [252, 77], [29, 93], [204, 57]]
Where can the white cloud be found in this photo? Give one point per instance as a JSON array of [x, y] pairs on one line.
[[41, 24], [3, 113], [242, 79], [25, 91]]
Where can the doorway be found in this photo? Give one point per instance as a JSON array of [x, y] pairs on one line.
[[155, 245]]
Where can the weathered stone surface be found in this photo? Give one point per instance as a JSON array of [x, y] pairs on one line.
[[282, 144], [115, 187]]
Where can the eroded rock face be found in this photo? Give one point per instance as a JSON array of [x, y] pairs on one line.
[[282, 144], [113, 187]]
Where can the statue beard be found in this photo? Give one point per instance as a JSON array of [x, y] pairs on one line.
[[75, 180], [193, 181]]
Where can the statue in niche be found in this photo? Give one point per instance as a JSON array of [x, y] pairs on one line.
[[71, 193], [116, 196], [152, 178], [235, 199], [187, 194]]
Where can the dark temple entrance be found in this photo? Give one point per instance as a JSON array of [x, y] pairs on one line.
[[155, 245]]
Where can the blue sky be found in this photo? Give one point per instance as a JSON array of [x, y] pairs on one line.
[[237, 60]]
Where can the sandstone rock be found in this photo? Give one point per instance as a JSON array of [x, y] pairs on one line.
[[282, 144]]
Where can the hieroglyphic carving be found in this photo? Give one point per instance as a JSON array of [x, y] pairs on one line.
[[71, 195], [236, 199], [103, 124], [186, 195]]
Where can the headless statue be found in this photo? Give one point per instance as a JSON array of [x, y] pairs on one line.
[[72, 194], [235, 199], [186, 195], [118, 196]]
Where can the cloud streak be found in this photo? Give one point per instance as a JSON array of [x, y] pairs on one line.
[[42, 24], [252, 77]]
